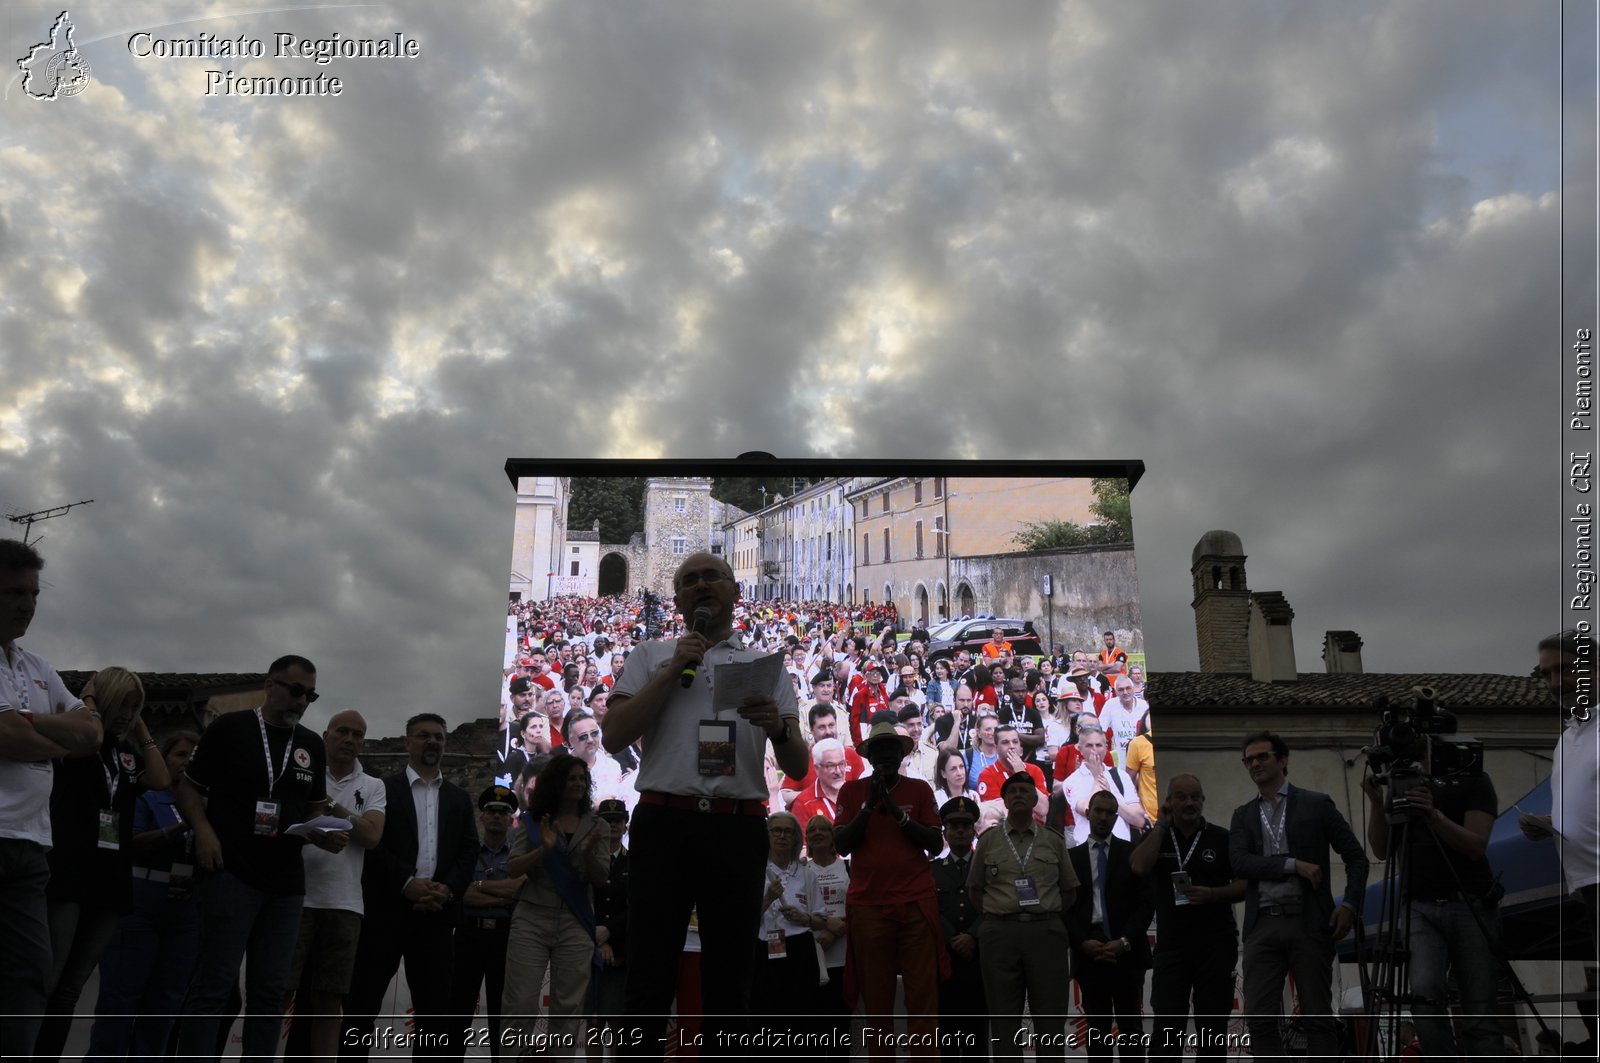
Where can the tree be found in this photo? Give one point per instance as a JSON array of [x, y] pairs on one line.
[[617, 502], [1113, 522], [1113, 508]]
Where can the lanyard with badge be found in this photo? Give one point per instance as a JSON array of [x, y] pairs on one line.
[[717, 745], [1272, 826], [777, 939], [1180, 877], [110, 834], [1027, 888], [268, 812]]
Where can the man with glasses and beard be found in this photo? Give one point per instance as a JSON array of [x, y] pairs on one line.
[[253, 776], [699, 832], [412, 886]]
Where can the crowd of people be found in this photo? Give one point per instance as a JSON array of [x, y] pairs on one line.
[[679, 859]]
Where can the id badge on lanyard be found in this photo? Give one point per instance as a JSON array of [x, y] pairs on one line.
[[267, 816], [110, 835], [269, 812], [716, 748]]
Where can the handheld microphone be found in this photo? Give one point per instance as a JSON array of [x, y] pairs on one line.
[[699, 624]]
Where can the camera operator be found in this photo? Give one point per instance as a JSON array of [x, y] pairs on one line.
[[1454, 921]]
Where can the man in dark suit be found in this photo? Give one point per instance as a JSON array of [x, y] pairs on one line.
[[412, 887], [1279, 843], [1108, 925]]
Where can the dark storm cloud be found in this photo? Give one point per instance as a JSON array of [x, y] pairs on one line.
[[1293, 255]]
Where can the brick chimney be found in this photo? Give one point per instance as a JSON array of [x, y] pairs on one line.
[[1221, 603], [1271, 638], [1341, 652]]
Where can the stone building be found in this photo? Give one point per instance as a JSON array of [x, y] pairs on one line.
[[800, 546], [680, 518], [1249, 680], [539, 536], [941, 547]]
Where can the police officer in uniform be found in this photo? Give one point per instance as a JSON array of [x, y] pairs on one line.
[[480, 946], [606, 989], [963, 1012]]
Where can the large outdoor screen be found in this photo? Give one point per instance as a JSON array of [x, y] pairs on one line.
[[1014, 582]]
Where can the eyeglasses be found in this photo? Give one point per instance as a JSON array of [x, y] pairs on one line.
[[694, 579], [297, 690], [1256, 758], [782, 830], [587, 736]]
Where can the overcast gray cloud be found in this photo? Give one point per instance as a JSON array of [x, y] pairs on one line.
[[1299, 257]]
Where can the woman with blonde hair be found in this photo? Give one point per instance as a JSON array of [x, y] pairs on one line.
[[144, 971], [91, 862]]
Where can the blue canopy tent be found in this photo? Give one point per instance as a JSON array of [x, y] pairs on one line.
[[1538, 919]]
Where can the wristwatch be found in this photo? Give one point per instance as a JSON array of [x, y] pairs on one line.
[[1127, 946], [785, 736]]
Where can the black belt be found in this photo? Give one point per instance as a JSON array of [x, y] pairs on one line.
[[1025, 917], [1278, 909], [479, 922]]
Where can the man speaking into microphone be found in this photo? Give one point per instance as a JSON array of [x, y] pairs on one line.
[[698, 840]]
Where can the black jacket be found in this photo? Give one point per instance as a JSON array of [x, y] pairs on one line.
[[387, 868], [1130, 904]]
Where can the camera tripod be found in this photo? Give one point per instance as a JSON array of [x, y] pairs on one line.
[[1386, 988]]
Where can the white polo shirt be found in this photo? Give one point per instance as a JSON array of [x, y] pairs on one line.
[[1572, 801], [29, 685], [671, 739], [333, 880]]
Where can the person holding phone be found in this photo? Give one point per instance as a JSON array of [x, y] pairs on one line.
[[1186, 860]]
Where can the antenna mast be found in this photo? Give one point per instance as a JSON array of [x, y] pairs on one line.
[[28, 520]]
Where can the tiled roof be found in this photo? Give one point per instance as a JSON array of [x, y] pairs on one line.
[[1318, 690], [181, 686]]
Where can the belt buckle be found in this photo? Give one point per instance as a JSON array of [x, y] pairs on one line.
[[702, 804]]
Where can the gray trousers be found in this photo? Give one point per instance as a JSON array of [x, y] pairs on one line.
[[1280, 945]]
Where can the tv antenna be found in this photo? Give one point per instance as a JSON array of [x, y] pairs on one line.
[[28, 520]]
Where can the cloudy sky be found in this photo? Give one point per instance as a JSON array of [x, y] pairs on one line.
[[1299, 257]]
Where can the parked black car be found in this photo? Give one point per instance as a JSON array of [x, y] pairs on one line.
[[970, 635]]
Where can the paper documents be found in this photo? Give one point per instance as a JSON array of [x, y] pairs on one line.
[[320, 825], [732, 683]]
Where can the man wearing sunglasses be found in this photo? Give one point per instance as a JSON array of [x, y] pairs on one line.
[[254, 775]]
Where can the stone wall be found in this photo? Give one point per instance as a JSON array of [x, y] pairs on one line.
[[1094, 589]]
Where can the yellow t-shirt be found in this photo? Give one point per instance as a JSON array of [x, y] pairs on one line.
[[1142, 760]]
